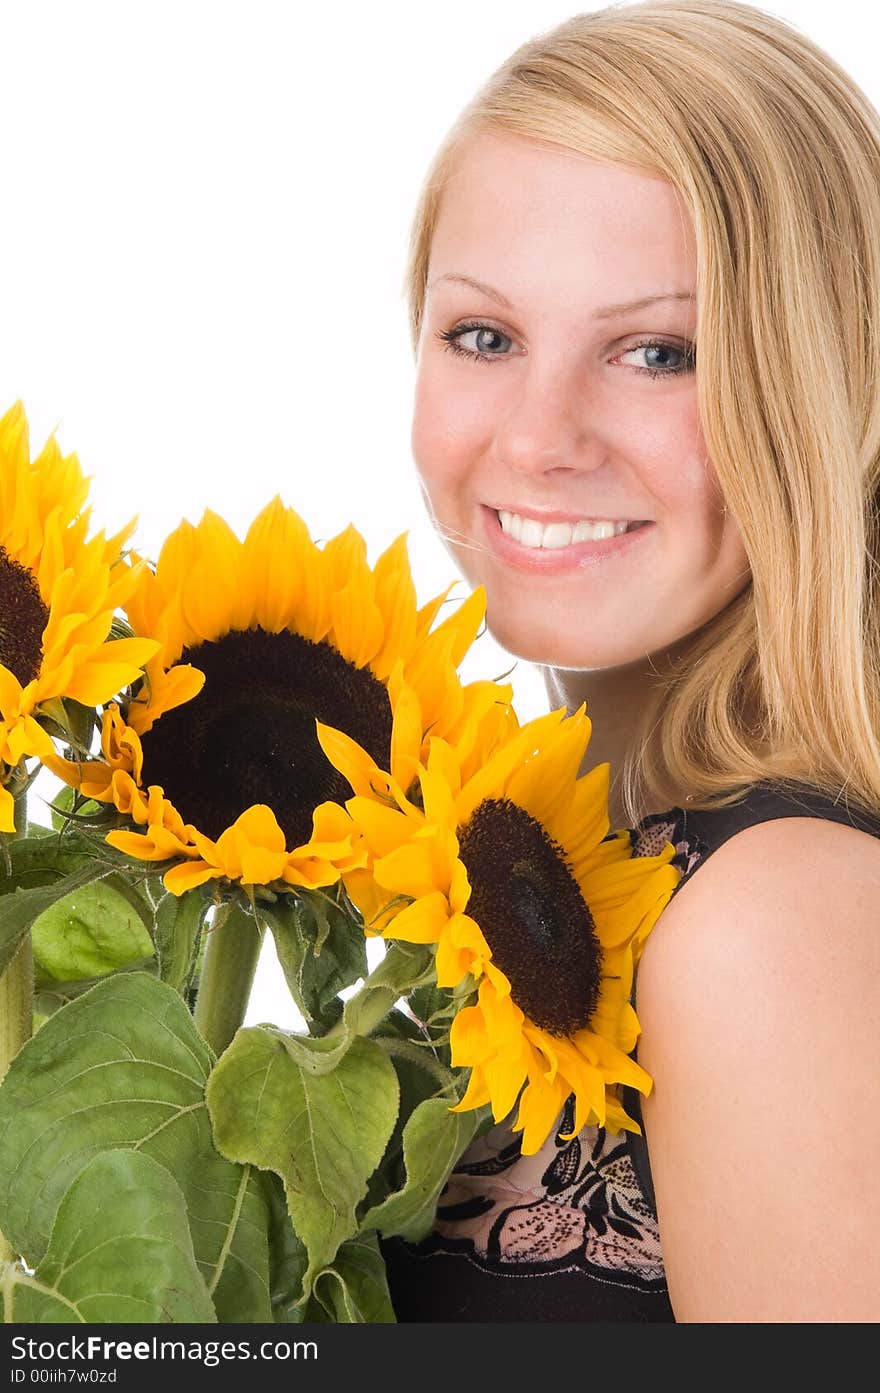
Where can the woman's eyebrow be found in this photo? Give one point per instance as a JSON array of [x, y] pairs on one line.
[[606, 312]]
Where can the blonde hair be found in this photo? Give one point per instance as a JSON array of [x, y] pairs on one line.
[[776, 153]]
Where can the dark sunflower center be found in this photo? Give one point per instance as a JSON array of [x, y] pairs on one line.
[[249, 736], [533, 916], [23, 617]]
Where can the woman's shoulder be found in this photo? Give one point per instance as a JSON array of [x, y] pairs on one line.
[[783, 862], [772, 815], [760, 1009]]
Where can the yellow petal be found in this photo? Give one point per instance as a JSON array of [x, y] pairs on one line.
[[115, 666], [423, 864], [539, 1107], [7, 810], [260, 826], [423, 921], [357, 625], [10, 693], [260, 867], [475, 1095], [188, 875], [347, 756], [396, 598], [406, 738], [274, 539], [464, 624], [468, 1038]]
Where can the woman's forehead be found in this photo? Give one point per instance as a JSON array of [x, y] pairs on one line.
[[519, 211]]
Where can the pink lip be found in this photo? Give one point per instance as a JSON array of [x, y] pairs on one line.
[[546, 518], [554, 559]]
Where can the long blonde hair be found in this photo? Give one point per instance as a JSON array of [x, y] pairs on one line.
[[776, 153]]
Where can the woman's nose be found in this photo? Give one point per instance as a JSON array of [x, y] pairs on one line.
[[550, 425]]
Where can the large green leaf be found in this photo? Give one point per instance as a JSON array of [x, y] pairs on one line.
[[324, 1134], [120, 1252], [88, 934], [123, 1065]]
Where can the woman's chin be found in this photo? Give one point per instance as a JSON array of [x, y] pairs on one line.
[[546, 647]]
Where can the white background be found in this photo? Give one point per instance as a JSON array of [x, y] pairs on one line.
[[206, 210]]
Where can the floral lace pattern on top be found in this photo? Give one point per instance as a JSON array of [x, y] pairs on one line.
[[576, 1203]]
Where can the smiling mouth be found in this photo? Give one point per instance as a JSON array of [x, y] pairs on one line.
[[555, 534]]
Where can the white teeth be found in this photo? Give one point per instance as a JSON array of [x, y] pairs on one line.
[[531, 533], [557, 534]]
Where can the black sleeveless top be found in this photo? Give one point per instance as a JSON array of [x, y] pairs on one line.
[[571, 1233]]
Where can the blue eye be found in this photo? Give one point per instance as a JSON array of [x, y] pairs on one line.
[[686, 355], [450, 339]]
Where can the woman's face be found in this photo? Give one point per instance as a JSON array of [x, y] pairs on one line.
[[563, 420]]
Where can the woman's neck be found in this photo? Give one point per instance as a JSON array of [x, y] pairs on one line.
[[617, 701]]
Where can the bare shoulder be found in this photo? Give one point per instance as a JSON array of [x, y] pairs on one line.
[[759, 1000], [804, 873]]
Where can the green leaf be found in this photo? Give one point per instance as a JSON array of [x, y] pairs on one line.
[[288, 1258], [420, 1075], [321, 949], [123, 1066], [54, 995], [324, 1134], [41, 857], [354, 1290], [87, 934], [436, 1008], [177, 926], [120, 1251], [69, 801], [433, 1140], [19, 908]]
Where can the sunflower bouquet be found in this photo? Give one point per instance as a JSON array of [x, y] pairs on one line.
[[268, 736]]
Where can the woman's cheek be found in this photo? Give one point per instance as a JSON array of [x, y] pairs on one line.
[[438, 452]]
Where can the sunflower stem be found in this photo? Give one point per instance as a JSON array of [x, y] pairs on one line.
[[418, 1056], [230, 962], [403, 967], [16, 992], [16, 1025]]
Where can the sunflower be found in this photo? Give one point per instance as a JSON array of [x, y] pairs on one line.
[[59, 590], [538, 913], [215, 758]]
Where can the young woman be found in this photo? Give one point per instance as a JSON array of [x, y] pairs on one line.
[[645, 304]]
